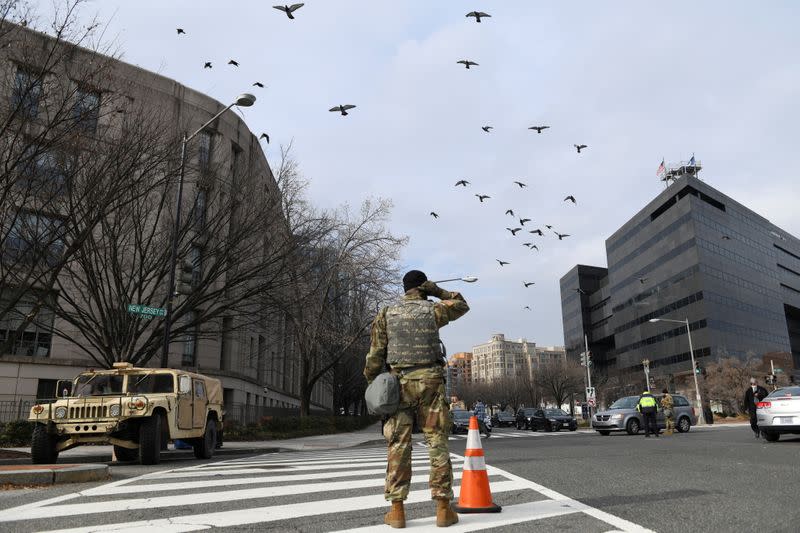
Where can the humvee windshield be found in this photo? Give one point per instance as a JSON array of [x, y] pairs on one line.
[[150, 383], [97, 385]]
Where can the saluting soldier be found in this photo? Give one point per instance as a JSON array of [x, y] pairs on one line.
[[406, 336]]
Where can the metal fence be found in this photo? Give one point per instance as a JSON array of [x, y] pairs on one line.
[[16, 408]]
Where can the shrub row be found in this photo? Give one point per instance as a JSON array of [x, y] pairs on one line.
[[285, 427], [16, 433]]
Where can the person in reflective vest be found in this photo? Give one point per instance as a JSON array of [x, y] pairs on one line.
[[648, 407]]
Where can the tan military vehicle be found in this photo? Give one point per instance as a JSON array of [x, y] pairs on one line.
[[137, 410]]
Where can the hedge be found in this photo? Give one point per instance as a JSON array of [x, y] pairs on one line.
[[16, 433]]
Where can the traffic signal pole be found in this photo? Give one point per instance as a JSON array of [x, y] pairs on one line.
[[588, 370]]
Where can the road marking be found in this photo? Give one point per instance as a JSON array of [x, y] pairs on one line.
[[270, 497]]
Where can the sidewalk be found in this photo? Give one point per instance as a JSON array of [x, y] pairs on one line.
[[368, 435]]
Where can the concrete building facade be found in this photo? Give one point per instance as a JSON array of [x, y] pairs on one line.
[[691, 253], [499, 358], [254, 363]]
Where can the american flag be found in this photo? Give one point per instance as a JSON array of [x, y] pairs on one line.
[[661, 168]]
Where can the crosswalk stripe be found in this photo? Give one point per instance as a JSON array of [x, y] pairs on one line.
[[271, 513], [512, 514]]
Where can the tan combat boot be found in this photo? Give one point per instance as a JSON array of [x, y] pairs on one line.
[[445, 516], [397, 516]]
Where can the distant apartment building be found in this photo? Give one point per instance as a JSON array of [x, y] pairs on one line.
[[255, 362], [459, 372], [693, 254], [500, 358]]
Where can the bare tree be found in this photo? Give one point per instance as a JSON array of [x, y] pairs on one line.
[[59, 169], [726, 380], [559, 380], [343, 267]]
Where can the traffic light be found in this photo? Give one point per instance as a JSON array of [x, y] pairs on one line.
[[698, 369], [185, 278], [583, 358], [586, 358]]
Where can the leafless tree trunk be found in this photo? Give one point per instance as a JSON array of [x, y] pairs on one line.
[[559, 380]]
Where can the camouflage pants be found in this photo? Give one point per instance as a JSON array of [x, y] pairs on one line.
[[422, 396], [669, 420]]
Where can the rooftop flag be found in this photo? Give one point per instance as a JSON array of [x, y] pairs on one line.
[[692, 161], [661, 168]]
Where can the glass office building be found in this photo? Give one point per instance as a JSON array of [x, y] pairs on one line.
[[691, 253]]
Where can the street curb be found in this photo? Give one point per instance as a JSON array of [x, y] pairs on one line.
[[169, 455], [55, 474]]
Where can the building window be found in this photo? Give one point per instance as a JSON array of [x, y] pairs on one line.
[[27, 93], [200, 210], [86, 110], [35, 339], [204, 146], [196, 254], [190, 342], [33, 237], [44, 171]]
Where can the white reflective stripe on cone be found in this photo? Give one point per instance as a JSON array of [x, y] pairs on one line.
[[474, 463], [473, 439]]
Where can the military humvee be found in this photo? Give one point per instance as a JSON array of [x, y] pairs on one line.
[[137, 410]]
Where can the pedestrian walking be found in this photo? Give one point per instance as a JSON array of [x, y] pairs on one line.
[[648, 407], [667, 405], [754, 394], [406, 337], [479, 410]]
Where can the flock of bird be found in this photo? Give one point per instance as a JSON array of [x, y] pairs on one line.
[[342, 109]]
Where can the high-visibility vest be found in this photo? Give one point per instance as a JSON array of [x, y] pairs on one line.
[[647, 401]]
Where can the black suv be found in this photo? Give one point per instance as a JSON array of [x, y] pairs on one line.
[[545, 419]]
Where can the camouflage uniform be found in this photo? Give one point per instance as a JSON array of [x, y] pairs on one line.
[[669, 415], [422, 394]]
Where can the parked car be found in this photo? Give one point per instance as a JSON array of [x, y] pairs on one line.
[[623, 416], [504, 419], [137, 410], [460, 418], [779, 413]]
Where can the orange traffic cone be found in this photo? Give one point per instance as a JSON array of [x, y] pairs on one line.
[[475, 497]]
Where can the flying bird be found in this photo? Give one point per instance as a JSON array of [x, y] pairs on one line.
[[234, 63], [467, 63], [342, 109], [502, 263], [580, 147], [539, 128], [482, 197], [180, 31], [580, 291], [207, 65], [522, 221], [521, 185], [434, 215], [548, 227], [289, 9], [642, 280], [528, 283], [510, 212], [528, 307], [570, 198], [528, 244], [534, 247], [537, 230], [514, 231], [561, 235], [258, 84], [478, 15], [725, 238], [463, 183], [487, 128], [264, 136]]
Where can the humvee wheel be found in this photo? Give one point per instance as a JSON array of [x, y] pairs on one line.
[[204, 447], [125, 454], [43, 446], [150, 440]]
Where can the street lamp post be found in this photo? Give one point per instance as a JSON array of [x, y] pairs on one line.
[[243, 100], [646, 365], [467, 279], [701, 418]]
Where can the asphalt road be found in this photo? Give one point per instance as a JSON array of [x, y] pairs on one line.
[[716, 479]]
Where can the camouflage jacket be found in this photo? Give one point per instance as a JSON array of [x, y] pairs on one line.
[[451, 307], [666, 401]]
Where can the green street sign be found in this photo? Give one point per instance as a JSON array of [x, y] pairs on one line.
[[144, 310], [779, 371]]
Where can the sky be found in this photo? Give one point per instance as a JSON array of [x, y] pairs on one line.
[[635, 81]]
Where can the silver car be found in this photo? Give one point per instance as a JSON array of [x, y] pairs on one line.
[[779, 413], [623, 416]]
